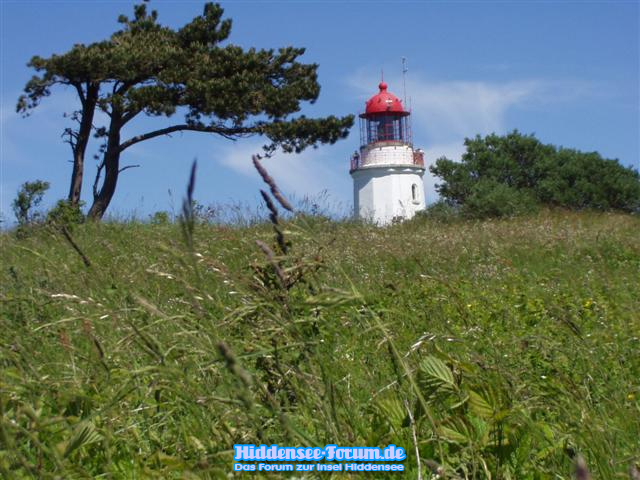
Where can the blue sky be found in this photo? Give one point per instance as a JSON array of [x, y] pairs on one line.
[[566, 71]]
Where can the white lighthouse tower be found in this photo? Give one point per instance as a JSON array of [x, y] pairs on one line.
[[387, 172]]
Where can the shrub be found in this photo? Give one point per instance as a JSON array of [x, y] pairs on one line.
[[490, 198], [29, 197], [160, 218], [65, 214], [521, 171], [586, 180]]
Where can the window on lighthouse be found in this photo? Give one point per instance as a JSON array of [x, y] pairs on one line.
[[385, 128], [414, 193]]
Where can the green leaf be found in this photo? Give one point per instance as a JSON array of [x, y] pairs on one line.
[[479, 405], [84, 434], [454, 433], [435, 377], [391, 411]]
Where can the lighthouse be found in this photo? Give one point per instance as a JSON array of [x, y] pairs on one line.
[[387, 172]]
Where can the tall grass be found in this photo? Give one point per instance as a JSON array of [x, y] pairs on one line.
[[487, 349]]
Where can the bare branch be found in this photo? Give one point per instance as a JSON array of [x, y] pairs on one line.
[[71, 138], [227, 132], [127, 167]]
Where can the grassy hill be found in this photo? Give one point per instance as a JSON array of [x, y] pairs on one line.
[[497, 349]]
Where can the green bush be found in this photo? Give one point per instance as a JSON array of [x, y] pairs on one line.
[[585, 180], [160, 218], [65, 214], [521, 171], [490, 198]]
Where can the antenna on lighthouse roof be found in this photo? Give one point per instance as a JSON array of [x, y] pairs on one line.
[[404, 80]]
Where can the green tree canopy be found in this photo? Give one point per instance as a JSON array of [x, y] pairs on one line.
[[147, 68], [505, 174]]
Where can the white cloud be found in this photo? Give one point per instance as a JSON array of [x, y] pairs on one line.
[[454, 110], [309, 173]]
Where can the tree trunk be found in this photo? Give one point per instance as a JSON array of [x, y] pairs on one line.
[[80, 147], [102, 200], [111, 165]]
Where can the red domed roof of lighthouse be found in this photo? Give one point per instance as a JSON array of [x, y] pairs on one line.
[[384, 102]]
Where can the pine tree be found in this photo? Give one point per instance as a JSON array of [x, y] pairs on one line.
[[146, 68]]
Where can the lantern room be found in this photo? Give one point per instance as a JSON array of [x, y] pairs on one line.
[[385, 120]]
